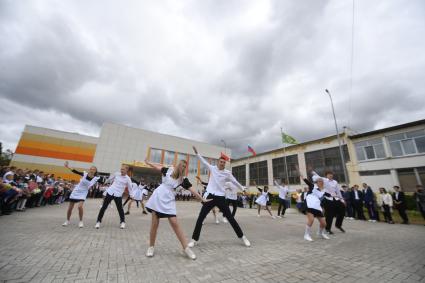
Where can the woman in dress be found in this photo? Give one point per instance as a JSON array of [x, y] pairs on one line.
[[314, 209], [79, 193], [162, 203], [264, 201]]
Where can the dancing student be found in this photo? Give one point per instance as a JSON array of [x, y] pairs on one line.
[[136, 195], [314, 208], [120, 180], [231, 198], [205, 195], [162, 203], [216, 191], [79, 193], [283, 201], [264, 200], [333, 204]]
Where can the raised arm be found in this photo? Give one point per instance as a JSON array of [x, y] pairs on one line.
[[154, 166], [73, 170], [206, 163]]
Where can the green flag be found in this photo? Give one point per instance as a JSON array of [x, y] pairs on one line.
[[288, 139]]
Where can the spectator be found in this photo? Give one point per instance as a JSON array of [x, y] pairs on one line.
[[385, 201], [369, 201], [357, 198], [419, 197], [346, 194], [399, 200]]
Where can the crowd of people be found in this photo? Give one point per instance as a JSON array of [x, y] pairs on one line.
[[323, 198]]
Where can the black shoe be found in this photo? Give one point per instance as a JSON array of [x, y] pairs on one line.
[[127, 213], [144, 212], [340, 229], [329, 232]]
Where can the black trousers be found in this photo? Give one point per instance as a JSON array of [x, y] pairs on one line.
[[106, 202], [220, 202], [234, 203], [403, 214], [333, 208], [282, 206], [358, 208], [387, 213]]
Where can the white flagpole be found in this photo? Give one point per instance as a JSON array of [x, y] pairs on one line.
[[284, 153]]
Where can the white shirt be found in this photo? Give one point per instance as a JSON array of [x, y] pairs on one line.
[[356, 195], [119, 184], [231, 191], [313, 199], [331, 187], [218, 179], [283, 190]]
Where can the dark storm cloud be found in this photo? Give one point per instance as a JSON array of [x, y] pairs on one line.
[[211, 70]]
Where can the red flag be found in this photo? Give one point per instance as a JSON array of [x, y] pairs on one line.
[[224, 156], [250, 149]]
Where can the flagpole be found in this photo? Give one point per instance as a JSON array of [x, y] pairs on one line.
[[284, 153]]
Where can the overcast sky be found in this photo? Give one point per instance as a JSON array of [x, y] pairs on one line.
[[210, 70]]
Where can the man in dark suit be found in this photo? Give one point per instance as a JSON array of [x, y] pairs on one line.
[[369, 201], [400, 203], [357, 200]]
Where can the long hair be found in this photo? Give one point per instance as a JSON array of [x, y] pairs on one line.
[[176, 173]]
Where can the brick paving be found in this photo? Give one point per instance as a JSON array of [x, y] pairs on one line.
[[36, 248]]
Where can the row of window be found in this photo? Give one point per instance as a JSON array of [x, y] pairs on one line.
[[168, 158], [400, 145], [320, 161]]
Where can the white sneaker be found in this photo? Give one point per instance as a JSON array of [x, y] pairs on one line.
[[217, 221], [150, 252], [225, 220], [374, 221], [274, 217], [191, 243], [324, 236], [370, 220], [245, 241], [279, 216], [80, 224], [258, 215], [97, 226], [122, 226], [66, 223], [190, 254], [307, 237]]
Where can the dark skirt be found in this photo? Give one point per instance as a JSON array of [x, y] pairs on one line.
[[160, 214], [75, 200], [315, 212]]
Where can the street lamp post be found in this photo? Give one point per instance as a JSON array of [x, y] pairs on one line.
[[339, 140]]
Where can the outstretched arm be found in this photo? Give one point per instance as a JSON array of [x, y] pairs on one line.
[[154, 166], [206, 163], [235, 182], [73, 170]]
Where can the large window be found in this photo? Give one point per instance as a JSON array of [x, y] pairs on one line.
[[240, 174], [327, 159], [203, 168], [181, 156], [156, 155], [370, 149], [407, 143], [279, 170], [258, 173], [193, 164], [407, 178], [169, 157]]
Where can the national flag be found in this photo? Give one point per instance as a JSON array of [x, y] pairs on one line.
[[288, 139], [250, 149], [224, 156]]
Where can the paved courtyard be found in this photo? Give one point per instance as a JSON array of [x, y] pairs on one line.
[[36, 248]]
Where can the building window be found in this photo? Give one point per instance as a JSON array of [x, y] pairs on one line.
[[370, 149], [407, 178], [421, 172], [258, 173], [156, 155], [181, 156], [169, 157], [327, 159], [407, 143], [240, 174], [374, 172], [193, 164], [204, 169], [279, 170]]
